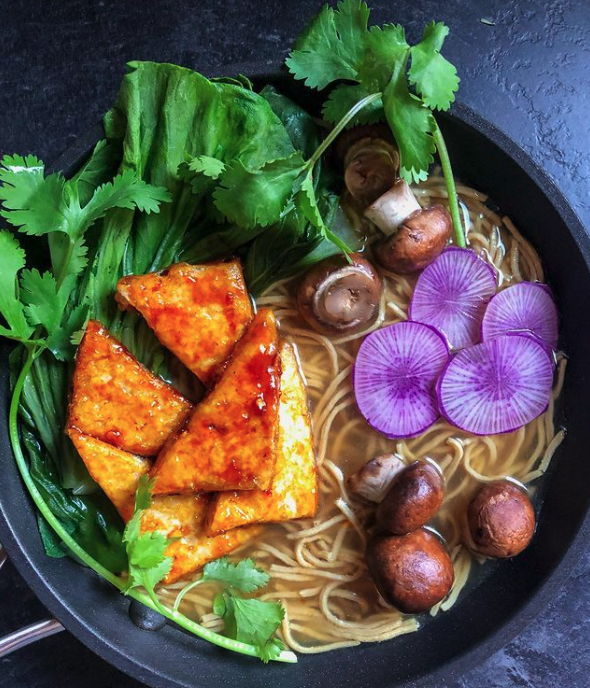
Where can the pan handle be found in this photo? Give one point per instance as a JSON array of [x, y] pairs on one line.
[[28, 634]]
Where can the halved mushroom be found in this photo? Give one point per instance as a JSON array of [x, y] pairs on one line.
[[414, 236], [337, 296], [372, 481]]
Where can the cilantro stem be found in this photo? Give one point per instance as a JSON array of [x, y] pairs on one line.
[[447, 170], [183, 592], [354, 110], [150, 601]]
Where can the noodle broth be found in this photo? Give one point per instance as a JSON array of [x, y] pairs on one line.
[[317, 566]]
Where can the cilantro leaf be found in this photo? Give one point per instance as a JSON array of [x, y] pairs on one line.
[[32, 202], [200, 172], [251, 621], [332, 46], [39, 204], [411, 124], [251, 198], [343, 97], [434, 77], [244, 576], [125, 191], [45, 303], [386, 47], [12, 260], [148, 563]]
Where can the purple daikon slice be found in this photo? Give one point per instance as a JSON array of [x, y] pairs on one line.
[[496, 386], [395, 376], [524, 307], [452, 293]]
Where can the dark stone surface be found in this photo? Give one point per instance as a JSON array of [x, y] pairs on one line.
[[60, 64]]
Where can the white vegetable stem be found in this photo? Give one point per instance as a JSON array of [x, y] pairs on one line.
[[389, 211]]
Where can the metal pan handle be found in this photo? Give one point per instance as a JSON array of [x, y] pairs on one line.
[[29, 634]]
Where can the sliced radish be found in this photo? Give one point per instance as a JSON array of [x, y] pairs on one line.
[[452, 293], [496, 386], [524, 307], [395, 375]]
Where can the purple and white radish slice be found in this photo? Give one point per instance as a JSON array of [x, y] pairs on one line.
[[452, 294], [496, 386], [524, 307], [395, 375]]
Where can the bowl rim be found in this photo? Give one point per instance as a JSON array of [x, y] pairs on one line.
[[460, 663]]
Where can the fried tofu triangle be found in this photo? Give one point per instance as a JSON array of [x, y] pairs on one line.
[[115, 399], [182, 517], [229, 441], [294, 490], [179, 516], [117, 472], [197, 311]]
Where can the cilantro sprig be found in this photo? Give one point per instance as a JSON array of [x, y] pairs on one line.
[[35, 306], [247, 620], [148, 563], [409, 82]]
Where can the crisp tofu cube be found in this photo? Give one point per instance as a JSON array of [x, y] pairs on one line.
[[115, 399], [116, 471], [294, 490], [182, 517], [179, 516], [229, 441], [198, 312]]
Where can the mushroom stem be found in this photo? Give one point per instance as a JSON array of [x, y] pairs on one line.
[[390, 210]]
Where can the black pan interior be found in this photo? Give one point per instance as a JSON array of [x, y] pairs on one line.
[[490, 613]]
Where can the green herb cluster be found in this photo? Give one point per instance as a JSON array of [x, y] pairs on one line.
[[246, 620]]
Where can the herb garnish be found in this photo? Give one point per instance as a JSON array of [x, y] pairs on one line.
[[246, 620], [394, 81]]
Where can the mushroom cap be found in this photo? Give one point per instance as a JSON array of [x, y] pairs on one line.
[[420, 239], [413, 498], [412, 572], [371, 168], [500, 520], [337, 296]]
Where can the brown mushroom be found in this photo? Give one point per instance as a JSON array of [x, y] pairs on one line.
[[413, 498], [372, 481], [412, 572], [370, 168], [337, 296], [500, 520], [414, 236]]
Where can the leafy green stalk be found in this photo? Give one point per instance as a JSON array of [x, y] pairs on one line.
[[150, 600]]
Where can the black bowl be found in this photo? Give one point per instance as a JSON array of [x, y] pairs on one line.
[[489, 614]]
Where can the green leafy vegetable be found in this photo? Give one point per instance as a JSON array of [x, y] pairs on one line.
[[256, 197], [434, 77], [251, 621], [247, 620], [244, 576], [331, 48], [12, 260], [148, 564]]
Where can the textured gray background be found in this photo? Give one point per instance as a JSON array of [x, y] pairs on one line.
[[60, 65]]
